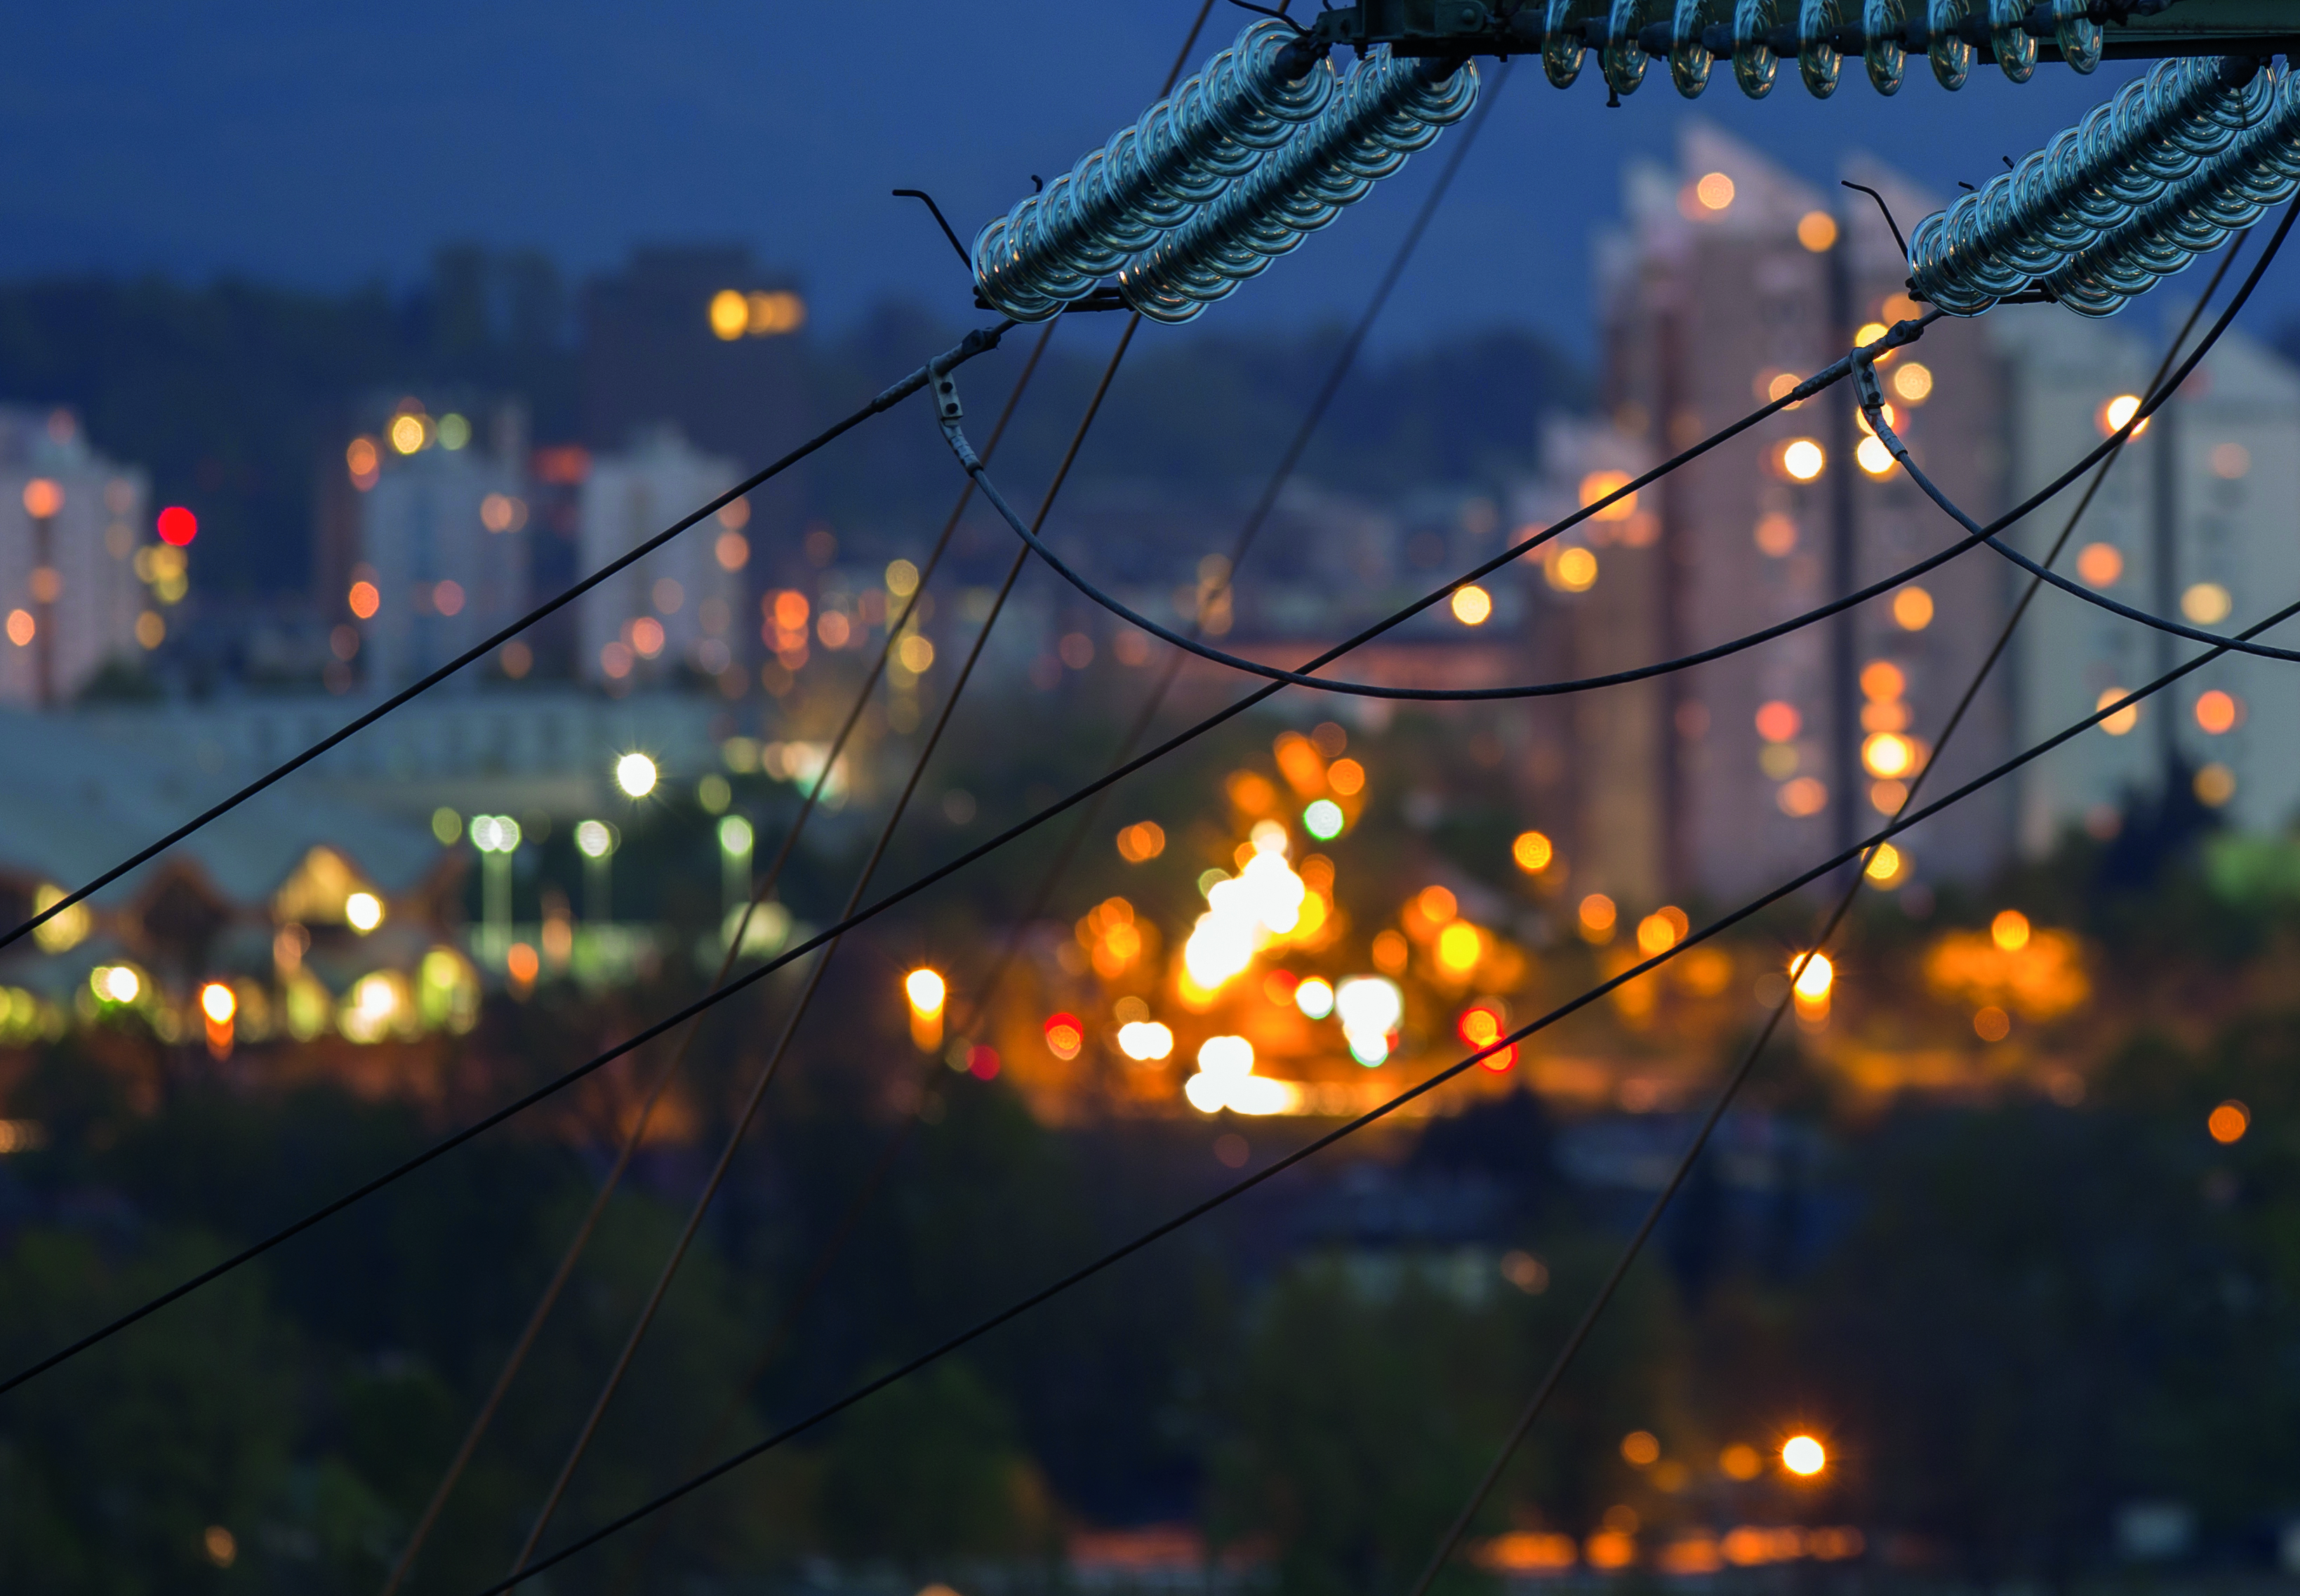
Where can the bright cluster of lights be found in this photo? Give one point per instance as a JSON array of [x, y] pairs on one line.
[[116, 982], [1371, 1009], [1244, 912], [1226, 1080], [636, 774], [1145, 1041]]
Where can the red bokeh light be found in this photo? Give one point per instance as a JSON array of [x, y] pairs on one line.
[[177, 525], [982, 1062]]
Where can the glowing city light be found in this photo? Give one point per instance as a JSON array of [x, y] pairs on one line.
[[1887, 755], [495, 834], [363, 601], [116, 982], [1314, 996], [2208, 604], [177, 526], [1571, 570], [1599, 485], [1714, 191], [42, 498], [1597, 913], [1778, 722], [1803, 1455], [2117, 412], [1884, 866], [1460, 946], [1914, 382], [2124, 720], [730, 314], [636, 774], [1323, 819], [1064, 1035], [1873, 457], [594, 839], [1640, 1448], [217, 1002], [2217, 711], [1369, 1008], [2228, 1123], [1803, 460], [1532, 851], [925, 990], [1472, 605], [1912, 609], [454, 431], [1817, 231], [406, 433], [2100, 564], [2009, 930], [1813, 981], [363, 912], [1145, 1040]]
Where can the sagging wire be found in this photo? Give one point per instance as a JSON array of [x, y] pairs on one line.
[[2238, 643], [932, 877], [1683, 1167], [974, 344]]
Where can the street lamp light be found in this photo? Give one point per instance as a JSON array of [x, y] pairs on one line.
[[496, 837], [636, 773], [596, 842], [736, 840]]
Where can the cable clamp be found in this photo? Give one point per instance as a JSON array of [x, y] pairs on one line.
[[949, 410]]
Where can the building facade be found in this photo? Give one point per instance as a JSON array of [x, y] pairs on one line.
[[71, 526], [683, 607]]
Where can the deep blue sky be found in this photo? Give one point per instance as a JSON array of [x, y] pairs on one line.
[[324, 147]]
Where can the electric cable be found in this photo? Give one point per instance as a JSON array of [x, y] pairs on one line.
[[979, 342], [764, 890], [1740, 1076], [951, 866], [1902, 821], [1755, 906], [983, 990], [741, 1126]]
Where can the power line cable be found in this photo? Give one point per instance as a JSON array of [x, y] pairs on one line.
[[843, 1230], [799, 1008], [1587, 1324], [1901, 822], [773, 1063], [921, 883], [765, 889], [977, 342], [982, 1327]]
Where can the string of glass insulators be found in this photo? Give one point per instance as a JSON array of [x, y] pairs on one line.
[[1186, 151], [2193, 215], [1756, 36], [2184, 117], [1387, 108]]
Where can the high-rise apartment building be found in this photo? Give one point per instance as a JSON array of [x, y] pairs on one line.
[[682, 607], [442, 541], [2198, 520], [1728, 280], [71, 525]]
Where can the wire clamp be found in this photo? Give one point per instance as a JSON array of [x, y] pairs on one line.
[[949, 410]]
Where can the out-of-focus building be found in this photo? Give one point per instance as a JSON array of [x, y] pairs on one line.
[[441, 543], [700, 335], [72, 529], [1727, 281], [2200, 521], [683, 606]]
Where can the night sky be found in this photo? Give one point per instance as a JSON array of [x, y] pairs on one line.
[[322, 147]]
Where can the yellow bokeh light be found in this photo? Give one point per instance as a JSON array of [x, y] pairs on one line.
[[1882, 681], [1812, 976], [406, 433], [2117, 412], [1803, 460], [2228, 1123], [2206, 603], [2010, 930], [1472, 605], [1873, 457], [1803, 1455], [2214, 784], [1598, 484], [1816, 230], [1912, 609], [1887, 755], [2124, 720], [634, 774], [1532, 851], [1640, 1448], [1460, 946], [1571, 570], [1714, 191], [730, 314], [1884, 866], [217, 1002], [1597, 914], [1656, 934], [1914, 382], [362, 913], [1871, 331], [925, 990]]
